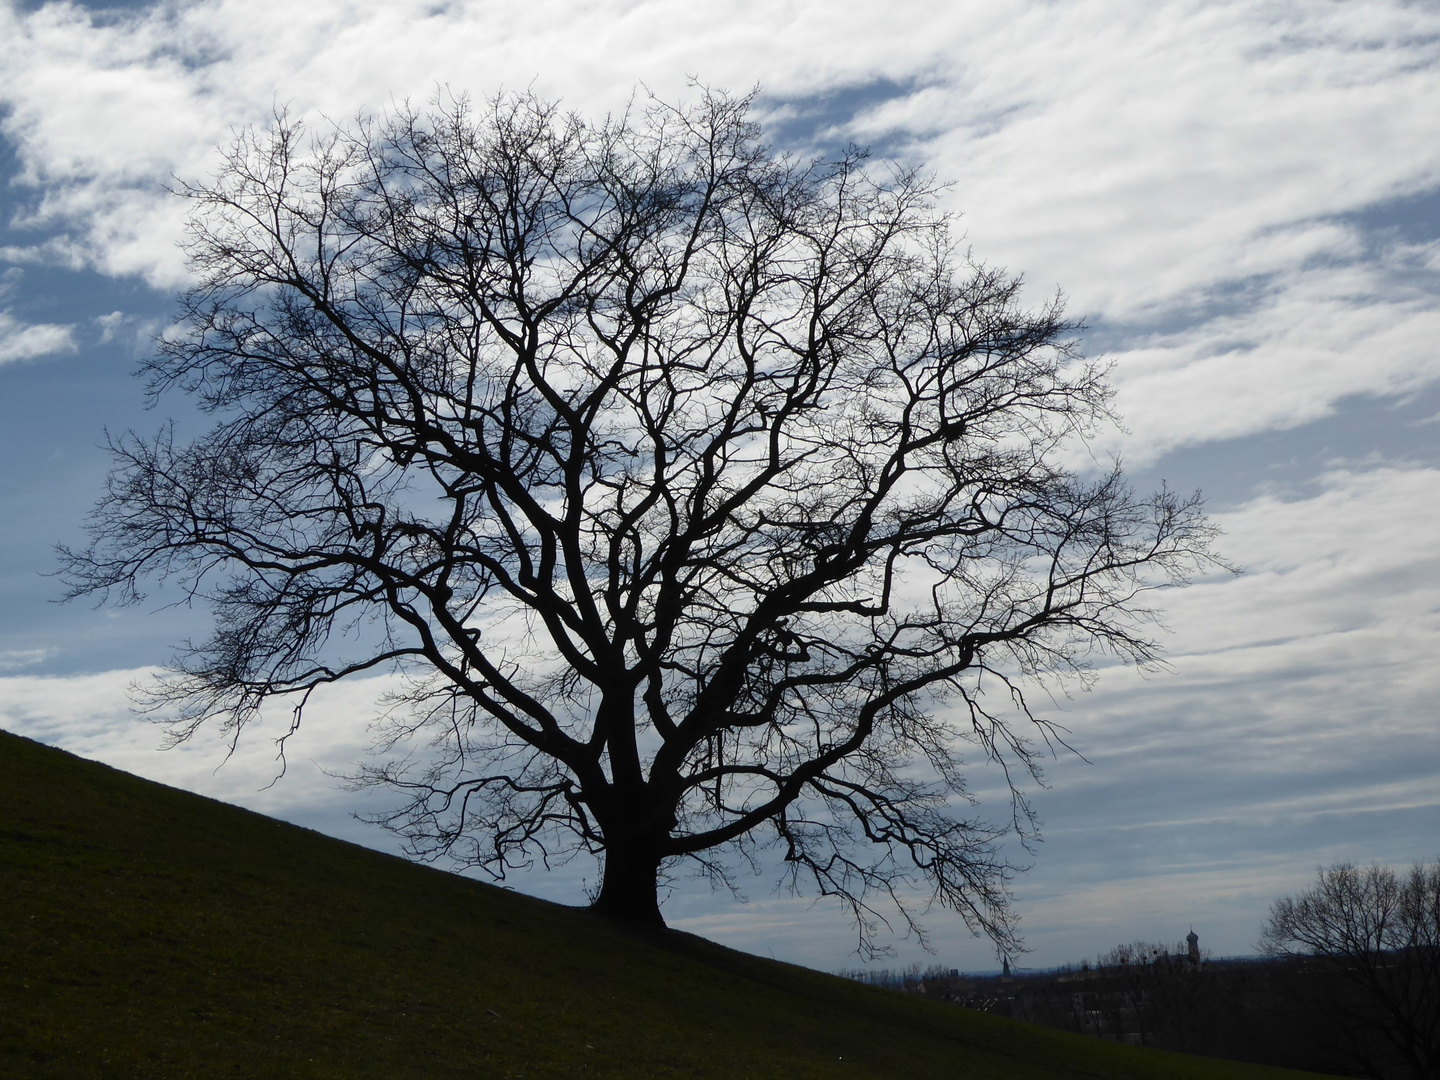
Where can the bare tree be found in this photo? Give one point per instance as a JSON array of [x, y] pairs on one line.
[[708, 498], [1382, 932]]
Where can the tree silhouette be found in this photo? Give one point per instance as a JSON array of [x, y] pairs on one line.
[[708, 498], [1380, 931]]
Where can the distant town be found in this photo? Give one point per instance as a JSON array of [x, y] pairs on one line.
[[1271, 1010]]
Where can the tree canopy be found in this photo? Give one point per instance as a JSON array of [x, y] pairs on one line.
[[707, 498], [1380, 930]]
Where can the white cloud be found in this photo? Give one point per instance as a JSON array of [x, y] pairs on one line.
[[1142, 150], [1093, 143], [1135, 156], [1289, 360], [54, 251], [111, 324], [1142, 158], [14, 659], [27, 341]]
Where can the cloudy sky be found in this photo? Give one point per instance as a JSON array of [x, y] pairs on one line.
[[1241, 199]]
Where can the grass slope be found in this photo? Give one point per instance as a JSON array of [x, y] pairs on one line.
[[147, 931]]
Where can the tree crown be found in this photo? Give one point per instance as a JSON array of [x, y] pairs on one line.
[[704, 495]]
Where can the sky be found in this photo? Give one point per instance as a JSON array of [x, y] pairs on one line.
[[1241, 200]]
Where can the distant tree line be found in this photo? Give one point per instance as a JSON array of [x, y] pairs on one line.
[[1349, 985], [911, 979], [1258, 1010]]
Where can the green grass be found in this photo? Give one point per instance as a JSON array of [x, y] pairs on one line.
[[145, 931]]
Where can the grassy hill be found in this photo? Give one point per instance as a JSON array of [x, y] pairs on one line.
[[145, 931]]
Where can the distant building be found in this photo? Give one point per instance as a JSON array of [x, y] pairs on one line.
[[1192, 946]]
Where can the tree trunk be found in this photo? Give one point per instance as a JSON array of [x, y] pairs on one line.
[[628, 888]]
